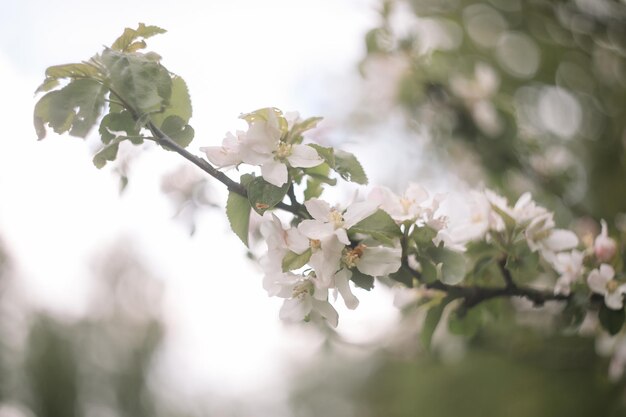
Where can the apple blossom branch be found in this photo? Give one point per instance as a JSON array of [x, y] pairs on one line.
[[164, 140], [473, 295]]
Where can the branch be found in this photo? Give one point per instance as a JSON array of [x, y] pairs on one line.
[[167, 142], [473, 295]]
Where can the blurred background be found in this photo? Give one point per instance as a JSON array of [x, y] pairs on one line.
[[123, 292]]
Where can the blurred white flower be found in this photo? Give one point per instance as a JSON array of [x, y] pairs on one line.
[[601, 282]]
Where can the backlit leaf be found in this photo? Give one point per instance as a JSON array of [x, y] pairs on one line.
[[264, 196], [238, 213]]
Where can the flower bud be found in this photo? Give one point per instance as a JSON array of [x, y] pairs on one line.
[[604, 247]]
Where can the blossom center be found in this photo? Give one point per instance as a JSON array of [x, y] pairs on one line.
[[284, 150], [336, 218], [315, 244], [406, 204], [611, 286], [301, 289], [351, 256]]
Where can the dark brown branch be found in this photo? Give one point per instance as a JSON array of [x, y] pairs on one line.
[[472, 295], [164, 140]]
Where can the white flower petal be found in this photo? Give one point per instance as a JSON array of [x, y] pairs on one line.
[[314, 229], [597, 282], [342, 279], [295, 309], [607, 271], [379, 261], [560, 240], [416, 193], [296, 241], [303, 156], [358, 211], [614, 300], [275, 173], [319, 209], [221, 156], [342, 235], [326, 310]]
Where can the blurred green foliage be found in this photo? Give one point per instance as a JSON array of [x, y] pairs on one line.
[[533, 91]]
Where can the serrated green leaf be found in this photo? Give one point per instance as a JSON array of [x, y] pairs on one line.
[[114, 125], [74, 108], [126, 42], [349, 168], [380, 226], [139, 81], [453, 264], [47, 85], [294, 260], [179, 103], [362, 280], [431, 321], [238, 213], [611, 320], [178, 130], [78, 70], [328, 154], [264, 196]]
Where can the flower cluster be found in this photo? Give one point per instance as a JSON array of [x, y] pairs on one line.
[[267, 144], [321, 251]]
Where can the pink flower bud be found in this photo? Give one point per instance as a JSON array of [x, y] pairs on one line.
[[604, 247]]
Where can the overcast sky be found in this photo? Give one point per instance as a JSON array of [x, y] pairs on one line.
[[57, 210]]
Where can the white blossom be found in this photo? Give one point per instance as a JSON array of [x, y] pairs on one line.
[[400, 208], [601, 282], [263, 145], [570, 267]]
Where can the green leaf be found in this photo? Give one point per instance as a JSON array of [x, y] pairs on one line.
[[238, 213], [114, 125], [611, 320], [56, 72], [179, 103], [404, 276], [509, 222], [429, 269], [431, 321], [313, 189], [74, 108], [294, 260], [454, 266], [178, 130], [328, 154], [299, 128], [264, 196], [108, 153], [126, 42], [423, 235], [380, 226], [349, 168], [466, 324], [362, 280], [139, 81]]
